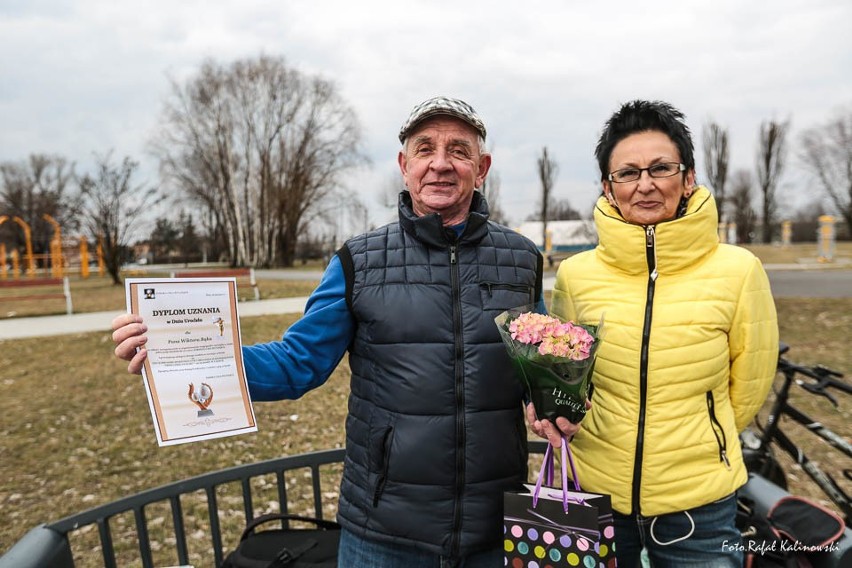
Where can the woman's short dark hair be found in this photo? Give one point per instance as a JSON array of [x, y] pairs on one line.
[[641, 116]]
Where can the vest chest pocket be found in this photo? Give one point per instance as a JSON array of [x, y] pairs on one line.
[[501, 296]]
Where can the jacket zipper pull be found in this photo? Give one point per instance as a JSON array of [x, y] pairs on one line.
[[452, 254], [651, 253], [724, 455]]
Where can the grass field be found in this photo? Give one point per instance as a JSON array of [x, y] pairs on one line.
[[76, 429]]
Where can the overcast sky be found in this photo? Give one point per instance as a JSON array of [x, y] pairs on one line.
[[79, 77]]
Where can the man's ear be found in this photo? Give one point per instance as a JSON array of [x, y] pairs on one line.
[[403, 162], [484, 166]]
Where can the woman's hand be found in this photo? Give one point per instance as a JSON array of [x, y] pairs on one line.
[[129, 338], [551, 432]]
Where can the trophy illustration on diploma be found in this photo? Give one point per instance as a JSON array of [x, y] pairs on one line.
[[220, 325], [202, 398]]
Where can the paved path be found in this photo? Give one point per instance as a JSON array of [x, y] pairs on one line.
[[786, 280], [44, 326]]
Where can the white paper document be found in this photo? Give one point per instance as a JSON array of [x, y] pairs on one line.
[[194, 374]]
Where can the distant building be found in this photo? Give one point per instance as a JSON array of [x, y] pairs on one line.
[[564, 237]]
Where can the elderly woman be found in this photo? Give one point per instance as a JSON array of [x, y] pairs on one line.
[[689, 353]]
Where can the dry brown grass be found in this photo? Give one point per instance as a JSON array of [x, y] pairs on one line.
[[798, 253], [818, 332], [76, 429]]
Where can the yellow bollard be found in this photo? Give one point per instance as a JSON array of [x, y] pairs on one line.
[[826, 239], [786, 233], [84, 257], [16, 264]]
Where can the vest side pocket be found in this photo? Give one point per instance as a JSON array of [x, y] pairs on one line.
[[383, 455]]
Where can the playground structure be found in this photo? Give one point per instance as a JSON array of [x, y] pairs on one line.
[[58, 259]]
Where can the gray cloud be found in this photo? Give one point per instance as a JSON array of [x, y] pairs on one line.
[[85, 76]]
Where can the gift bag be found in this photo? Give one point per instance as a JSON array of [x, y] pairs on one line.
[[549, 527]]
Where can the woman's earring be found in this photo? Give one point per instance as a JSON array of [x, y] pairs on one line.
[[682, 205]]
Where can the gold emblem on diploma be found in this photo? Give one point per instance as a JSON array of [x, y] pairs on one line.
[[202, 398]]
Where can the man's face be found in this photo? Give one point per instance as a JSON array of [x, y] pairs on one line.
[[442, 165]]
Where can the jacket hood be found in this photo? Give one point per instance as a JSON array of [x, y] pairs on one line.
[[678, 242]]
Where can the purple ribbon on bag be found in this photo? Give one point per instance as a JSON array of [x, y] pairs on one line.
[[546, 474]]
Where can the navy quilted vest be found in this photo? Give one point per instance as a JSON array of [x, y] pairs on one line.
[[435, 431]]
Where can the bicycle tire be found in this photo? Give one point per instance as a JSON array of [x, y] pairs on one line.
[[767, 467]]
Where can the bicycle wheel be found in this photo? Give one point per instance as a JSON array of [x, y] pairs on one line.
[[766, 466]]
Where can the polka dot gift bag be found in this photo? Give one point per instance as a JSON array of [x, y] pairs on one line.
[[545, 527]]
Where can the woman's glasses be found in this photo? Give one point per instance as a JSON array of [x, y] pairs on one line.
[[661, 170]]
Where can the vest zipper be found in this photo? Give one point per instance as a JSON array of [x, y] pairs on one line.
[[651, 258], [460, 403]]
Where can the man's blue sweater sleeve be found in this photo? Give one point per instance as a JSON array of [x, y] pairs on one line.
[[310, 349]]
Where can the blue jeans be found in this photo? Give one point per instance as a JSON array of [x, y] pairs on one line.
[[358, 552], [703, 537]]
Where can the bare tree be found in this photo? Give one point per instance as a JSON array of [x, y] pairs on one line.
[[805, 226], [827, 155], [39, 186], [742, 210], [189, 242], [388, 193], [164, 239], [547, 170], [771, 158], [113, 207], [260, 146], [716, 162], [491, 191], [562, 210]]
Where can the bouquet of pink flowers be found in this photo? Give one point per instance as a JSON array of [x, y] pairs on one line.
[[554, 358]]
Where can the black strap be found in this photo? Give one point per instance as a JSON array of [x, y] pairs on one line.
[[344, 255], [539, 277], [257, 521]]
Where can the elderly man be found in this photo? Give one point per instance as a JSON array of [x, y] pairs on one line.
[[435, 430]]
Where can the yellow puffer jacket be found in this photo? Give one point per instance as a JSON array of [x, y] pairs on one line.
[[687, 359]]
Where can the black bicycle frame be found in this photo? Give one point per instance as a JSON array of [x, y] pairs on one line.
[[772, 432]]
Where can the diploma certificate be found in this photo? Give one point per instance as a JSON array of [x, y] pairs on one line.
[[194, 374]]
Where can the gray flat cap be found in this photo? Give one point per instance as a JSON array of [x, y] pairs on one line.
[[438, 106]]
